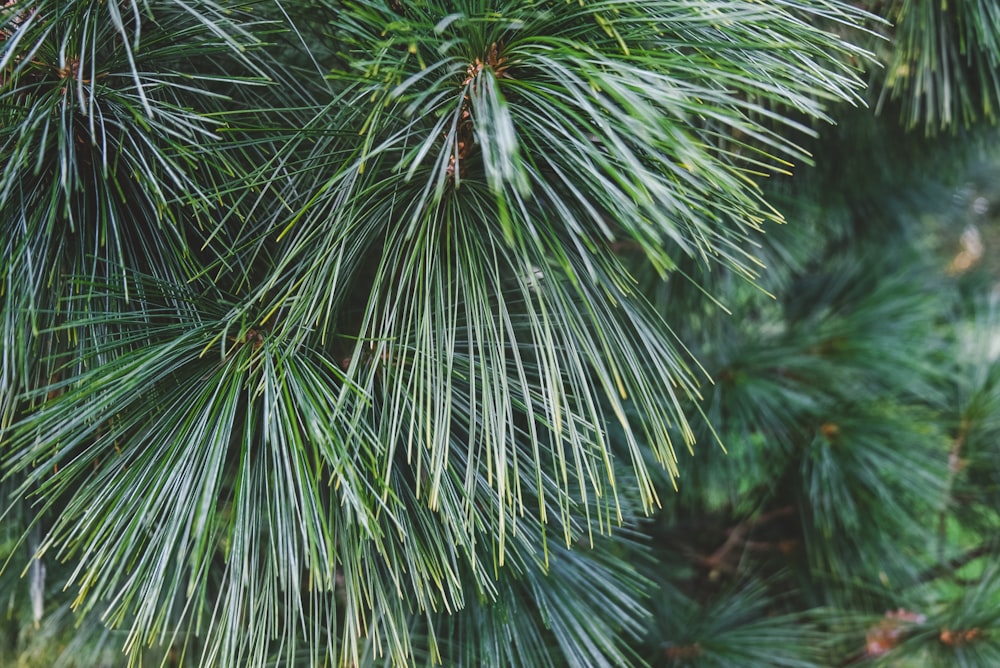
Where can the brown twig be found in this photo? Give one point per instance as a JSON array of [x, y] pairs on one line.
[[737, 537], [955, 466], [465, 139], [955, 563]]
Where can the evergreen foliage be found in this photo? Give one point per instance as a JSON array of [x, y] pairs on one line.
[[521, 333]]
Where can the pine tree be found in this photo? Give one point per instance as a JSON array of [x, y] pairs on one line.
[[516, 333]]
